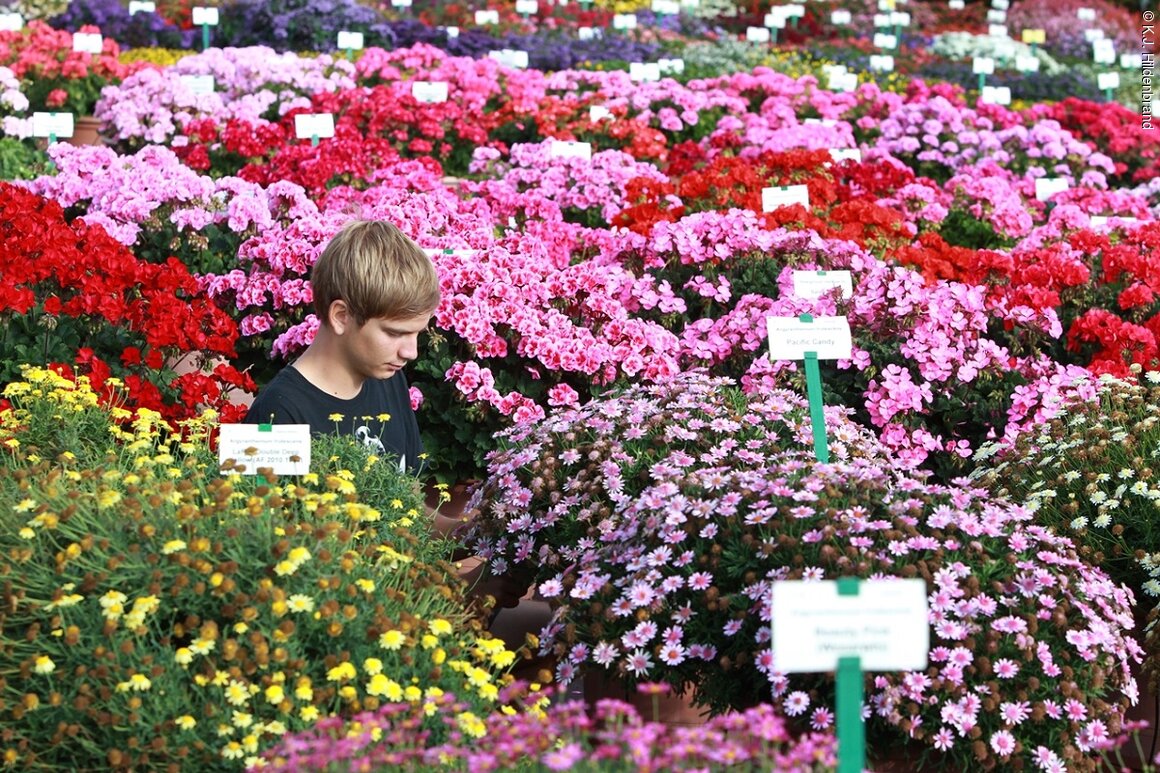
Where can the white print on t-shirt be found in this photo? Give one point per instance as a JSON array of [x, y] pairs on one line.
[[367, 439]]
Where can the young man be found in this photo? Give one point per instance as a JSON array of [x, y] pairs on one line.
[[374, 293]]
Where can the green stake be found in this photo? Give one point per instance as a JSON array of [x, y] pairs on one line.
[[204, 37], [982, 82], [851, 731], [814, 391], [314, 140]]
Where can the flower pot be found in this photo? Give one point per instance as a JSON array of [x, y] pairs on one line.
[[86, 131], [663, 707]]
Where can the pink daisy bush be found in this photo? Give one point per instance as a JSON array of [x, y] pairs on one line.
[[655, 520]]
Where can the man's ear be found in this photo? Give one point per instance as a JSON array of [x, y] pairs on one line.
[[340, 317]]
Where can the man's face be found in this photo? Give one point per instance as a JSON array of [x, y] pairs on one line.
[[381, 347]]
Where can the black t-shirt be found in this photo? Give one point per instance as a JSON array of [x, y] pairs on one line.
[[380, 415]]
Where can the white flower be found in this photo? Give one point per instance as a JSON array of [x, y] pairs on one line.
[[1071, 475], [1126, 473], [1152, 376], [1103, 520], [1098, 497], [1079, 523]]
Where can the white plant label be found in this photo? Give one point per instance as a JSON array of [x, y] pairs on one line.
[[847, 81], [285, 448], [983, 65], [885, 41], [142, 6], [1108, 80], [996, 17], [841, 17], [846, 154], [666, 7], [757, 34], [1131, 61], [452, 32], [1046, 187], [882, 63], [528, 7], [956, 5], [11, 22], [1092, 35], [997, 30], [350, 41], [486, 17], [598, 113], [310, 125], [510, 57], [1027, 63], [1086, 14], [1002, 5], [198, 84], [1104, 52], [900, 19], [1103, 220], [775, 20], [88, 42], [429, 92], [671, 66], [204, 16], [586, 33], [886, 5], [815, 284], [996, 95], [568, 149], [777, 197], [624, 21], [59, 125], [400, 3], [644, 72], [827, 337], [883, 20], [886, 625]]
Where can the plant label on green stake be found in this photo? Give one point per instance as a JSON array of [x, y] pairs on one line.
[[316, 126], [205, 17], [983, 66], [11, 22], [885, 41], [850, 626], [429, 92], [785, 196], [527, 8], [570, 149], [956, 5], [758, 35], [198, 84], [350, 41], [1104, 51], [644, 72], [881, 63], [671, 66], [1046, 187], [995, 95], [815, 284], [1027, 63], [285, 448], [1108, 83], [841, 18], [142, 6], [811, 338], [87, 42], [624, 21], [53, 126], [483, 18]]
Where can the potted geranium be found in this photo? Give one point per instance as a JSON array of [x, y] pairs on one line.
[[655, 521], [54, 77]]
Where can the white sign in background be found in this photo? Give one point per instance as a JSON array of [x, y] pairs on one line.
[[203, 15], [142, 6], [568, 149], [429, 92], [11, 22], [827, 337], [815, 284], [886, 626], [311, 125], [1046, 187], [198, 84], [59, 125], [772, 198], [350, 41], [285, 448], [88, 42]]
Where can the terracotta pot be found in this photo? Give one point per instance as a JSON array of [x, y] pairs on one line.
[[456, 507], [86, 131], [669, 709]]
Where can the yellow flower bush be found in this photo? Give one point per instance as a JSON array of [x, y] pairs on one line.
[[163, 57], [158, 613]]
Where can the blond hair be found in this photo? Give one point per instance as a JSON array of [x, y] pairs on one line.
[[377, 270]]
